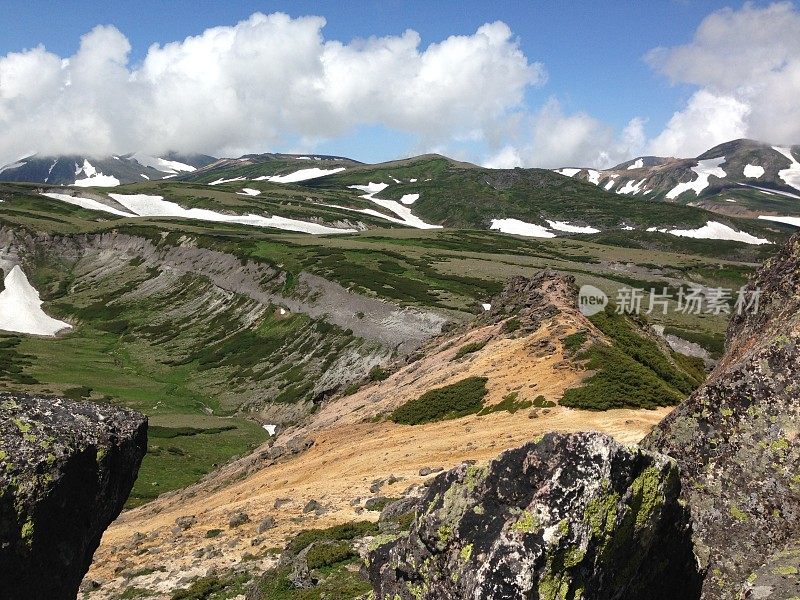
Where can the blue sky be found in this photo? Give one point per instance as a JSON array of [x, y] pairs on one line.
[[592, 52]]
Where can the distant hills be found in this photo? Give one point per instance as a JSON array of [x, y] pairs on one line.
[[737, 178], [741, 191], [110, 171]]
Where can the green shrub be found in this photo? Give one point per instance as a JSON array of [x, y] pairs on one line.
[[694, 366], [200, 589], [459, 399], [345, 531], [620, 382], [327, 555], [642, 349], [575, 341], [509, 403], [351, 389], [214, 586], [469, 349], [378, 373], [511, 325], [542, 402], [78, 393], [713, 342], [212, 533], [634, 372]]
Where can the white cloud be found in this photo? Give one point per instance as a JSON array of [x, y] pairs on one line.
[[707, 120], [557, 139], [747, 64], [266, 81]]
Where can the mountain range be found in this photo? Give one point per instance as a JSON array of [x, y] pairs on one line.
[[742, 191], [742, 178]]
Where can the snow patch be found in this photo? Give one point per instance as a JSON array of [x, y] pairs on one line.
[[21, 308], [637, 165], [269, 428], [713, 230], [568, 172], [155, 206], [404, 215], [409, 198], [370, 188], [562, 226], [787, 220], [93, 178], [631, 187], [790, 176], [87, 203], [771, 192], [160, 164], [301, 175], [414, 180], [249, 192], [593, 176], [517, 227], [486, 306], [221, 181], [753, 171], [704, 170]]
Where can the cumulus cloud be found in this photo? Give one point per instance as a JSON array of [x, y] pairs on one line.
[[747, 65], [263, 82], [557, 139], [708, 119]]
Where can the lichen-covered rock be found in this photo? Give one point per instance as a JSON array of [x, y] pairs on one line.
[[736, 438], [778, 579], [571, 516], [66, 469]]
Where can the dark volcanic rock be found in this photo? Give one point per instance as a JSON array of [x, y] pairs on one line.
[[66, 469], [736, 438], [575, 515]]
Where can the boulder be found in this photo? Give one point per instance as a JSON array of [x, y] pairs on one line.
[[66, 470], [736, 438], [573, 515]]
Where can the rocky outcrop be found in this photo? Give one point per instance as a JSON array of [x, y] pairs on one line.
[[570, 516], [736, 438], [777, 579], [66, 469]]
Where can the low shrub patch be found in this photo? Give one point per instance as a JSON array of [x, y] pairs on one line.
[[345, 531], [574, 342], [510, 403], [469, 349], [327, 555], [459, 399]]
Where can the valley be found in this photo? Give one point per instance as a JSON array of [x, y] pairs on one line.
[[290, 332]]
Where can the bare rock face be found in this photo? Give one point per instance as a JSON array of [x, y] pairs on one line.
[[66, 469], [736, 438], [571, 516]]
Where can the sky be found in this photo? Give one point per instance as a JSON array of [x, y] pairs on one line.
[[499, 83]]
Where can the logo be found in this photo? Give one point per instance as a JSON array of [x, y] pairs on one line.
[[591, 300]]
